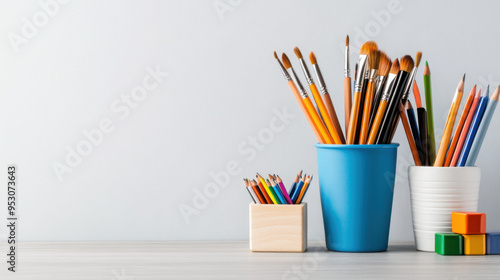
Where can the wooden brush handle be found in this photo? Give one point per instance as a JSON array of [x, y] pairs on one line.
[[376, 123], [296, 93], [347, 102], [333, 116], [366, 113], [353, 120]]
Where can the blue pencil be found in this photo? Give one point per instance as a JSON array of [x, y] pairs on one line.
[[483, 127], [280, 195], [294, 185], [473, 129], [296, 192]]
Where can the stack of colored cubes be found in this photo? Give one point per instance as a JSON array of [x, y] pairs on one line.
[[469, 236]]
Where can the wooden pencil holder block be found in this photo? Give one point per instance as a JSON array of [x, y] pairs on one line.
[[278, 227]]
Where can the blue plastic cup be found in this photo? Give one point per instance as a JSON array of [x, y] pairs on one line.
[[356, 185]]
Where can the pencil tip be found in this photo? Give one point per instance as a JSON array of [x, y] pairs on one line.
[[426, 64], [463, 79]]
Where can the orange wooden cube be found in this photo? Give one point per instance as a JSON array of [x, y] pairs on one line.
[[468, 223], [474, 244]]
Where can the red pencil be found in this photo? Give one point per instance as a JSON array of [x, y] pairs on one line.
[[465, 130], [460, 126]]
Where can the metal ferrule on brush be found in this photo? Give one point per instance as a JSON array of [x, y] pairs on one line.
[[360, 77], [296, 80], [347, 71], [321, 82], [285, 73], [373, 75], [306, 71], [379, 84], [389, 84], [406, 92]]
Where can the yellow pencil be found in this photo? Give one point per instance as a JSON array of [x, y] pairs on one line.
[[450, 122], [266, 187]]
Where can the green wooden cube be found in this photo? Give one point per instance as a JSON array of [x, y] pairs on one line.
[[448, 244]]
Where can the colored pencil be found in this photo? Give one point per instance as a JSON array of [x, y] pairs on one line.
[[483, 128], [465, 130], [251, 192], [277, 191], [294, 185], [443, 146], [327, 99], [269, 190], [411, 142], [297, 190], [473, 129], [304, 189], [283, 190], [263, 191], [458, 130], [430, 117], [256, 191]]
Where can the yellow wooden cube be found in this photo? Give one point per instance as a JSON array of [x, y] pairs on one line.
[[278, 227], [474, 244]]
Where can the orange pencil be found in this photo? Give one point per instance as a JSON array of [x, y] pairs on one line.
[[465, 130], [259, 185], [304, 189], [326, 98], [409, 136], [460, 126], [445, 140], [373, 61], [356, 106], [323, 112], [318, 125], [384, 101]]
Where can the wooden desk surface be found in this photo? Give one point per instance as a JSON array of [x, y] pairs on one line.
[[233, 260]]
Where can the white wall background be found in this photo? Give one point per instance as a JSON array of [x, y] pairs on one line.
[[222, 88]]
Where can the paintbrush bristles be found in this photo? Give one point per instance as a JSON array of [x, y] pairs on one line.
[[275, 55], [418, 57], [395, 67], [312, 58], [367, 47], [406, 63], [297, 52], [347, 40], [373, 59], [286, 61], [384, 65]]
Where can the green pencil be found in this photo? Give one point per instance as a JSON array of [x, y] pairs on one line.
[[430, 118]]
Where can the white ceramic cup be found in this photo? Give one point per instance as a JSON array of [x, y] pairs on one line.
[[435, 193]]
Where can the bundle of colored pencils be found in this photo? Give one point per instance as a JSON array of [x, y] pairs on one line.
[[273, 191], [458, 148], [371, 109]]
